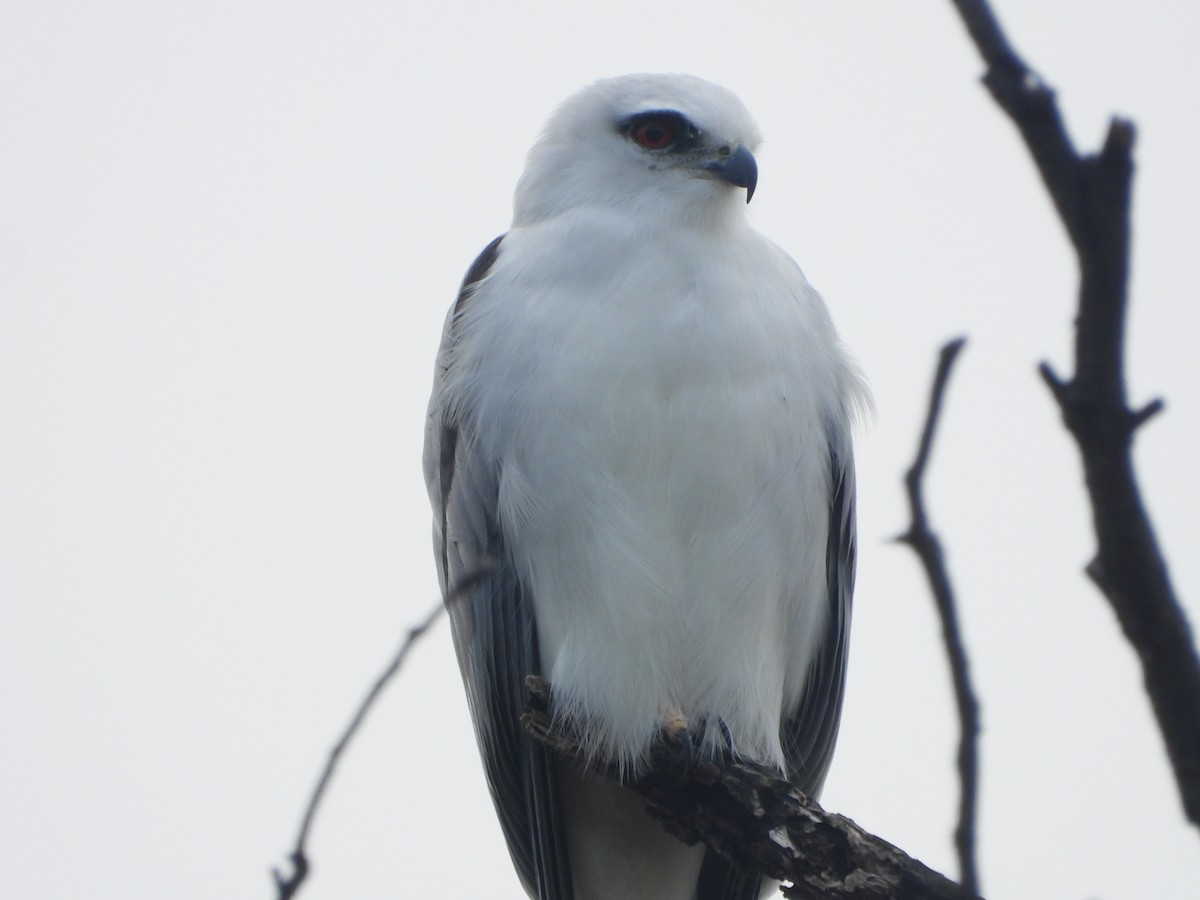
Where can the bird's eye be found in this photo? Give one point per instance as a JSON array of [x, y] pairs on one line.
[[654, 134]]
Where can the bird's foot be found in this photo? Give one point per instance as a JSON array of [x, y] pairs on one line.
[[709, 735], [677, 731]]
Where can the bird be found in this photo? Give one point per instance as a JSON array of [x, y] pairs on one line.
[[639, 457]]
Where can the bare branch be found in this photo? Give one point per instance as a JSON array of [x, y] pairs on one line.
[[750, 814], [928, 548], [1092, 196], [288, 885]]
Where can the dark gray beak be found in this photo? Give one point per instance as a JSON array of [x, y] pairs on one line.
[[738, 168]]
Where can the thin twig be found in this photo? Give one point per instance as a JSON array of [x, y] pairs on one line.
[[288, 885], [1092, 195], [928, 548]]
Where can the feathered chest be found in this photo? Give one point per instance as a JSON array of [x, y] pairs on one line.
[[653, 344]]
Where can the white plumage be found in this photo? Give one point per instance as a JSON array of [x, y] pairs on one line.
[[641, 422]]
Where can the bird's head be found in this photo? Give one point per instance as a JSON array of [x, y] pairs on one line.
[[669, 145]]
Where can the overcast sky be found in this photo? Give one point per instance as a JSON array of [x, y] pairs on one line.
[[229, 233]]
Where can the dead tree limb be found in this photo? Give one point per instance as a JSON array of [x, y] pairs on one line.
[[928, 548], [750, 814], [1092, 195]]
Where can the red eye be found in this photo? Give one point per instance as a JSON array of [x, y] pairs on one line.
[[654, 134]]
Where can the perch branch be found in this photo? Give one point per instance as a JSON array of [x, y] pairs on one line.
[[928, 548], [751, 815], [1092, 196]]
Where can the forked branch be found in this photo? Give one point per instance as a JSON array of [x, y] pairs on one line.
[[1092, 195]]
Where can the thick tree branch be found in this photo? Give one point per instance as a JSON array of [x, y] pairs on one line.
[[1092, 196], [928, 548], [751, 815]]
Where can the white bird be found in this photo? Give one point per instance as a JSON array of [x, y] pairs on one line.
[[640, 434]]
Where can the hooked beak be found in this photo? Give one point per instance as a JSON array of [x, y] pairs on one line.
[[738, 168]]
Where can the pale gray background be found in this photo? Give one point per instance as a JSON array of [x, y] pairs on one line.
[[229, 232]]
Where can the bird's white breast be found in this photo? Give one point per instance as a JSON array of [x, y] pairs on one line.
[[656, 403]]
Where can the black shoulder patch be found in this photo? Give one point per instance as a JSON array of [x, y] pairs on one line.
[[478, 271]]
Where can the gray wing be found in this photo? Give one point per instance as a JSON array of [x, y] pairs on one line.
[[809, 735], [491, 615], [811, 732]]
